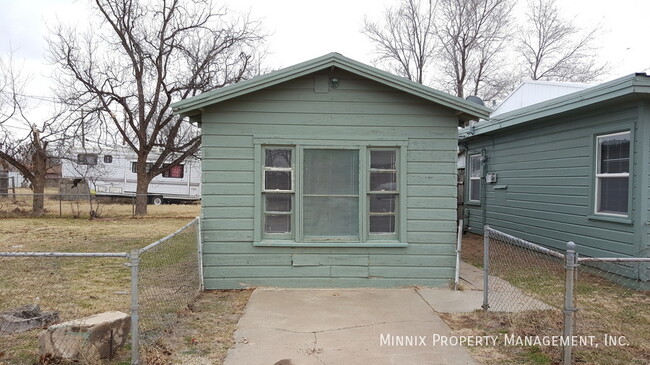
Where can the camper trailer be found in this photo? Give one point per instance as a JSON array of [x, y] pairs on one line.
[[111, 172]]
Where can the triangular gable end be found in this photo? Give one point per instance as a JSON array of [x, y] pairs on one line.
[[193, 106]]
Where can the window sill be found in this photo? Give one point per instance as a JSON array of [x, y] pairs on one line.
[[609, 218], [473, 203], [376, 244]]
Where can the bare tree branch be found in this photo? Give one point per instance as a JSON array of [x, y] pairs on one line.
[[142, 57], [553, 48], [405, 43]]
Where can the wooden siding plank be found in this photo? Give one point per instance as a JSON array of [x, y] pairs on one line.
[[229, 212], [229, 189], [429, 179], [308, 282], [247, 260], [211, 224], [410, 272], [218, 201], [329, 259], [414, 260], [233, 153], [349, 271], [431, 247], [214, 177]]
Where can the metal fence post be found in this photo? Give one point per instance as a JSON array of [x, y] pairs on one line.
[[199, 242], [569, 309], [486, 265], [135, 335]]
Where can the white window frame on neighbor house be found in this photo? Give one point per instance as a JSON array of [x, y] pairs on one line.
[[600, 176], [381, 183], [474, 177]]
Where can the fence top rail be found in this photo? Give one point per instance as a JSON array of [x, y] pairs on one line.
[[491, 232], [160, 241], [64, 254], [613, 259]]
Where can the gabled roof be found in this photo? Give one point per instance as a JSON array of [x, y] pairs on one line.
[[533, 91], [194, 105], [630, 86]]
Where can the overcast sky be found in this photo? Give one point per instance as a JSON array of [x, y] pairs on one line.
[[304, 29]]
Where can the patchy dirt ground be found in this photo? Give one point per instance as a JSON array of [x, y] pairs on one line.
[[204, 332]]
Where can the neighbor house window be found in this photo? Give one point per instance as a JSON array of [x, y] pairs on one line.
[[134, 166], [177, 171], [108, 159], [277, 192], [325, 200], [612, 173], [87, 159], [475, 178]]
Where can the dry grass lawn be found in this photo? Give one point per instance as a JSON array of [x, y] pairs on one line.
[[604, 307], [77, 287]]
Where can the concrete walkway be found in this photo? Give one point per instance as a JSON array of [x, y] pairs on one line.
[[342, 326], [354, 326]]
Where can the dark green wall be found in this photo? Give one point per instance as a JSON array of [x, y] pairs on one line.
[[545, 193]]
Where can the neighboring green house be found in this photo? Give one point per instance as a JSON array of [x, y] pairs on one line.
[[574, 168], [329, 173]]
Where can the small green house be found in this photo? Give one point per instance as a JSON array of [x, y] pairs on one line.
[[329, 173], [573, 168]]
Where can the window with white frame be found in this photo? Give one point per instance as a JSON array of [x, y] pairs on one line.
[[339, 194], [612, 173], [474, 178]]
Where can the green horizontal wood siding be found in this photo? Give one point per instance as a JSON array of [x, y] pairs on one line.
[[358, 113], [548, 170]]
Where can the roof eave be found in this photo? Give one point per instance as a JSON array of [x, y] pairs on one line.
[[638, 83], [195, 105]]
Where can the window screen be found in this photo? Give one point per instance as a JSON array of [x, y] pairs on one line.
[[383, 192], [278, 191], [331, 193]]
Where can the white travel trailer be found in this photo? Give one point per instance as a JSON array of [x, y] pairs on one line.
[[111, 172]]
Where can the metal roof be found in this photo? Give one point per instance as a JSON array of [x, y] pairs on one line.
[[532, 92], [630, 85], [194, 105]]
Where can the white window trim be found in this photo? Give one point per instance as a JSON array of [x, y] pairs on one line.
[[600, 176], [469, 169]]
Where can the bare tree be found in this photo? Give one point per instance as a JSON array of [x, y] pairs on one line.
[[472, 35], [31, 153], [406, 42], [142, 57], [553, 48], [457, 45]]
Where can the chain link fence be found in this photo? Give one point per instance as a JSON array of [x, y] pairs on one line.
[[55, 306], [603, 304], [613, 304], [521, 276], [169, 279], [43, 296]]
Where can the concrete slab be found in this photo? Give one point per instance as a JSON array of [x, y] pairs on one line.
[[448, 301], [471, 277], [504, 297], [339, 326]]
